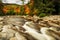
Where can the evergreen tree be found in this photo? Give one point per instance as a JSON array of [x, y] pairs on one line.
[[44, 6]]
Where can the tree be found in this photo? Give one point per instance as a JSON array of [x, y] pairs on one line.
[[44, 6], [1, 7]]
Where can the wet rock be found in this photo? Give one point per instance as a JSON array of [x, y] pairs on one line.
[[29, 28], [1, 23], [13, 38], [53, 24], [19, 36], [33, 25], [33, 32], [15, 21], [47, 34], [1, 18], [7, 29]]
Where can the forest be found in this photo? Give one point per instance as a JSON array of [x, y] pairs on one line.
[[34, 7]]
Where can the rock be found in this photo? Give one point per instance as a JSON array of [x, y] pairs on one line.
[[13, 38], [1, 26], [45, 31], [53, 24], [1, 18], [33, 32], [29, 28], [3, 35], [15, 21], [33, 25], [35, 18], [1, 23], [7, 29], [19, 36]]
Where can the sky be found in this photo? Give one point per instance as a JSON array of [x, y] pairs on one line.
[[18, 2]]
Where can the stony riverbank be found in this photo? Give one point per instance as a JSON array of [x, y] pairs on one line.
[[30, 28]]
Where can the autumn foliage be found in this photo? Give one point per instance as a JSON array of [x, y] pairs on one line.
[[35, 7], [17, 9]]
